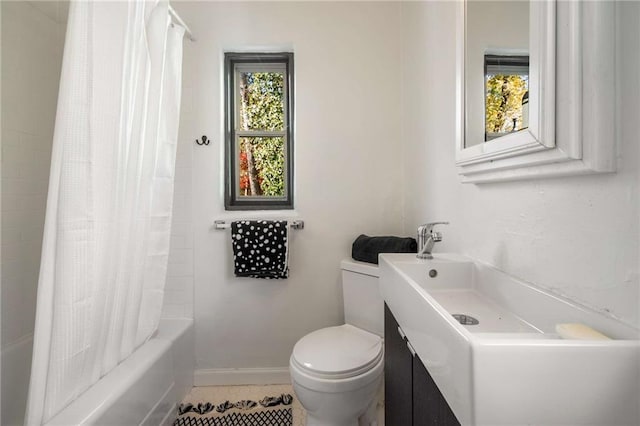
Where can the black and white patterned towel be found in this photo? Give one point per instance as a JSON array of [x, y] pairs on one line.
[[260, 248]]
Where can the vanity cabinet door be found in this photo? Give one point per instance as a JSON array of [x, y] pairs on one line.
[[397, 375], [411, 396], [429, 406]]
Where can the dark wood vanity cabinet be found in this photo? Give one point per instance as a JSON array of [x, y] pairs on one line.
[[411, 396], [398, 374], [429, 406]]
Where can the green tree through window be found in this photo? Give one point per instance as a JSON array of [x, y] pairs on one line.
[[506, 83], [261, 158], [504, 102]]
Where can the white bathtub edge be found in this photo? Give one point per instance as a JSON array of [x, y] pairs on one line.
[[146, 385]]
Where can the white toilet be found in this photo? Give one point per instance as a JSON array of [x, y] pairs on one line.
[[336, 371]]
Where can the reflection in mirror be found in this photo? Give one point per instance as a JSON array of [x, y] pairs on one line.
[[496, 69], [506, 103]]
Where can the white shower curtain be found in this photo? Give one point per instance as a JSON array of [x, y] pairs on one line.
[[107, 227]]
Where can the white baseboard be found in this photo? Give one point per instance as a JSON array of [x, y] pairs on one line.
[[241, 376]]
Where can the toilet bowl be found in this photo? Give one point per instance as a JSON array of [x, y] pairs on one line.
[[337, 371]]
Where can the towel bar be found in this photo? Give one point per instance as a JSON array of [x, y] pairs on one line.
[[294, 224]]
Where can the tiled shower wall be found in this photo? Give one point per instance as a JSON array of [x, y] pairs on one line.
[[178, 297], [32, 44]]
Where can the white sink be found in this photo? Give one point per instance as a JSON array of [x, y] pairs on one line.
[[511, 368]]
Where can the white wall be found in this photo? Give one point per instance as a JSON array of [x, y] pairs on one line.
[[577, 236], [347, 178], [32, 42]]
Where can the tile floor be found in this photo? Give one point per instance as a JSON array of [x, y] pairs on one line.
[[218, 394]]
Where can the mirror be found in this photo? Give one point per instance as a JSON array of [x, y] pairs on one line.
[[497, 69], [520, 50], [560, 119]]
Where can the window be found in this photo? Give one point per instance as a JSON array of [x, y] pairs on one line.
[[259, 131], [506, 94]]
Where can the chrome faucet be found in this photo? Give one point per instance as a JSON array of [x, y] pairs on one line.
[[427, 239]]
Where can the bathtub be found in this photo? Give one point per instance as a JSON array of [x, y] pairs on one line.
[[145, 388]]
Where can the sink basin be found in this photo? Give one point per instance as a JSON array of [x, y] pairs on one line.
[[511, 368]]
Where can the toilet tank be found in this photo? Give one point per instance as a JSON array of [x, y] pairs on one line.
[[363, 304]]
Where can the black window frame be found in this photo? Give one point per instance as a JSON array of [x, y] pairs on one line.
[[232, 200], [505, 60]]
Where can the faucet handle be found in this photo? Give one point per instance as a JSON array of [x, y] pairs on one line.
[[428, 227]]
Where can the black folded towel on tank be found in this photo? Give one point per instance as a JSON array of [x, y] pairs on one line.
[[366, 249]]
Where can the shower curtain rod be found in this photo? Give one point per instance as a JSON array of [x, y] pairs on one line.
[[177, 17]]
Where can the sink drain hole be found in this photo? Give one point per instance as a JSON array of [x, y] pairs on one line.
[[466, 319]]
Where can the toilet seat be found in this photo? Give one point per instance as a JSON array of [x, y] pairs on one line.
[[337, 352]]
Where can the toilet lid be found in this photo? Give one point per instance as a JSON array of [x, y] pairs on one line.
[[338, 352]]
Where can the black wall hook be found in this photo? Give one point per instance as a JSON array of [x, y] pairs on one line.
[[205, 140]]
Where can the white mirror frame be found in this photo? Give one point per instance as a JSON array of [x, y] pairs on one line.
[[571, 98]]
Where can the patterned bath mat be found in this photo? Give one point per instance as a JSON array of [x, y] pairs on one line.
[[265, 412]]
